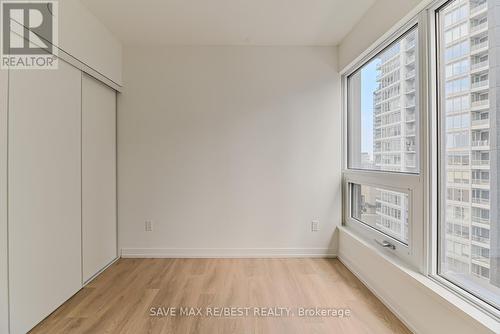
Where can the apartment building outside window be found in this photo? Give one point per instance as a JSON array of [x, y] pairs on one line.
[[387, 114], [384, 115], [467, 128]]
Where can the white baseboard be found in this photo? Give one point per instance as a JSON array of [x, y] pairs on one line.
[[227, 252], [353, 269]]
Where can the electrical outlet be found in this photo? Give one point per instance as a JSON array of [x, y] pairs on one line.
[[315, 226], [148, 226]]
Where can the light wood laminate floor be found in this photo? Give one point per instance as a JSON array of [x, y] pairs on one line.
[[121, 298]]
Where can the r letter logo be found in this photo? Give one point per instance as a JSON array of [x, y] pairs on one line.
[[29, 33]]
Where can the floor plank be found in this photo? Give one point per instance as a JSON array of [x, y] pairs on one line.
[[120, 299]]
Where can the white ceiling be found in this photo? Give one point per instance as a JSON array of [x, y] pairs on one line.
[[229, 22]]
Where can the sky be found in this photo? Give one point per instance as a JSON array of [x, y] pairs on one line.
[[368, 87]]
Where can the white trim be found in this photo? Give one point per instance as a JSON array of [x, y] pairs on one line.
[[353, 269], [409, 183], [227, 252], [88, 70], [456, 304], [77, 63], [431, 143]]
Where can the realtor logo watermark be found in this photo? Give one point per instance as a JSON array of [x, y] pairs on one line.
[[29, 31]]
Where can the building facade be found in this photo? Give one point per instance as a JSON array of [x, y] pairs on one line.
[[466, 103], [466, 95], [395, 127], [469, 234]]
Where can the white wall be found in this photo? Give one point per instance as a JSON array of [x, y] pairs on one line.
[[83, 36], [229, 151], [374, 23]]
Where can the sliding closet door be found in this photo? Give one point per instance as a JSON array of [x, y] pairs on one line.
[[44, 192], [98, 176], [4, 310]]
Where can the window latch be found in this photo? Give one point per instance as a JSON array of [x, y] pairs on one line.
[[385, 244]]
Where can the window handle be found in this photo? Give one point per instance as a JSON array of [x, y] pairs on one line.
[[385, 244]]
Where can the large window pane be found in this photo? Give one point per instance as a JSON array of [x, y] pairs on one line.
[[383, 109], [469, 226], [383, 209]]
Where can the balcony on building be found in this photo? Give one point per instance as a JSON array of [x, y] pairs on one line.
[[410, 59], [481, 181], [480, 163], [480, 144], [410, 148], [481, 184], [480, 120], [410, 74], [410, 103], [480, 139], [383, 72], [480, 160], [481, 260], [481, 201], [480, 82], [410, 89], [410, 44], [484, 241], [479, 64], [479, 46], [478, 7], [410, 129], [481, 221], [480, 101], [411, 161], [479, 25], [410, 116]]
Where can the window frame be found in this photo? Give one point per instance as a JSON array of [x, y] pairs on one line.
[[436, 194], [410, 183], [423, 258], [407, 253]]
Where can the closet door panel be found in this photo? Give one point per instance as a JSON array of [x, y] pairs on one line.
[[4, 310], [44, 192], [98, 176]]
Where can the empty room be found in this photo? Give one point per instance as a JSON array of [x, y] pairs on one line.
[[249, 166]]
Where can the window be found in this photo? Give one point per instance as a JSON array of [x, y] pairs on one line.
[[459, 176], [457, 86], [383, 165], [457, 68], [459, 32], [383, 209], [468, 239], [457, 104], [458, 121], [456, 15], [457, 50], [422, 128], [459, 139], [383, 109]]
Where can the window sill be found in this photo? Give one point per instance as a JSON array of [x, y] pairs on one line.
[[429, 286]]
